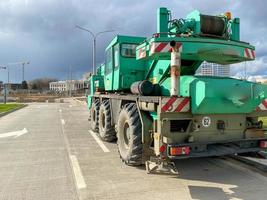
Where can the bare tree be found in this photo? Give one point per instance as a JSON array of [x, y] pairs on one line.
[[41, 83]]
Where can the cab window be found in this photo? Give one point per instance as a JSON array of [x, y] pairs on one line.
[[108, 61], [116, 55], [128, 50]]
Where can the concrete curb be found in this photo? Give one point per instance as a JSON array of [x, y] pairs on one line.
[[260, 164], [81, 102], [13, 110]]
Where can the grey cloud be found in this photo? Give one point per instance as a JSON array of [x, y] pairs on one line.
[[43, 32]]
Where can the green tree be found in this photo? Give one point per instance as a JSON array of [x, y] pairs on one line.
[[24, 85], [34, 86]]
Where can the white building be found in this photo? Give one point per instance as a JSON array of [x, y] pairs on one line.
[[213, 69], [68, 85], [59, 86]]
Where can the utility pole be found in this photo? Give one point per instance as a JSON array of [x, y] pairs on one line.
[[23, 67]]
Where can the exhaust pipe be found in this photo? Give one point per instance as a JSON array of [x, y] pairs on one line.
[[175, 68]]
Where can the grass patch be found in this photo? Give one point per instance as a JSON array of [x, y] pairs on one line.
[[7, 107]]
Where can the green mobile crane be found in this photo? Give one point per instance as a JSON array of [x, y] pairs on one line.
[[147, 97]]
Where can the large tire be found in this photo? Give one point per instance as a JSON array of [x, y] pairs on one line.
[[106, 130], [95, 115], [130, 135]]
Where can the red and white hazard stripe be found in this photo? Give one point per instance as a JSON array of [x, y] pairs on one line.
[[163, 47], [142, 52], [249, 53], [262, 106], [175, 104]]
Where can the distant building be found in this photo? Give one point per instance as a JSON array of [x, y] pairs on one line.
[[213, 69], [85, 78], [59, 86], [13, 86], [68, 85]]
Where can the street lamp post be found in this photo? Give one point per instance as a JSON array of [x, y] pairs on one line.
[[5, 86], [94, 43], [23, 69]]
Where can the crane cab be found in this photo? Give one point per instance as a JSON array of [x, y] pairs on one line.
[[121, 68]]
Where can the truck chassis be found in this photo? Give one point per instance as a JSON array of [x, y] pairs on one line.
[[144, 140]]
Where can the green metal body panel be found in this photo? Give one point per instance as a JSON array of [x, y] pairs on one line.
[[95, 82], [201, 49], [219, 95], [162, 21]]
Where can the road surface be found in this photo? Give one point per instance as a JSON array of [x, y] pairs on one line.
[[47, 152]]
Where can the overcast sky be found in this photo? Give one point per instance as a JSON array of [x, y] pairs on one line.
[[42, 31]]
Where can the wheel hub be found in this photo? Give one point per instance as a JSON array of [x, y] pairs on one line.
[[126, 134], [103, 119]]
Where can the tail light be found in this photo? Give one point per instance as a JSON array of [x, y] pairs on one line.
[[263, 144], [177, 151], [156, 35], [162, 148]]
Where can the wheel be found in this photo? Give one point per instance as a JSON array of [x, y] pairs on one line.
[[95, 115], [130, 135], [106, 130]]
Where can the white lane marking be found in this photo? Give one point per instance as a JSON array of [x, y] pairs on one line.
[[63, 122], [73, 161], [14, 134], [77, 172], [99, 142]]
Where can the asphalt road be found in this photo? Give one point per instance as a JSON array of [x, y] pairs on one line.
[[47, 152]]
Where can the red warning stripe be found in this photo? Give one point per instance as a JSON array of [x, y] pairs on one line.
[[160, 47], [163, 47], [168, 104], [182, 105], [253, 53], [175, 104], [247, 53], [262, 106], [178, 45], [265, 104], [142, 52]]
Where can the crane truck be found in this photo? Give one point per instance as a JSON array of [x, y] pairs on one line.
[[147, 97]]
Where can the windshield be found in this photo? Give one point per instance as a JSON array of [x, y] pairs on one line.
[[128, 50]]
